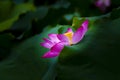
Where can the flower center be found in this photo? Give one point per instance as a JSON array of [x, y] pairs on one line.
[[69, 35]]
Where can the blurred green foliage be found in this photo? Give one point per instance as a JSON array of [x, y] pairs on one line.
[[24, 23]]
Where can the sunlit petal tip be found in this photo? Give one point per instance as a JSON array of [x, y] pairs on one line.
[[77, 36], [85, 23], [46, 45], [51, 36], [54, 38], [80, 32]]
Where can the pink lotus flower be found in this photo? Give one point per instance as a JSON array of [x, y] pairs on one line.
[[102, 4], [56, 42]]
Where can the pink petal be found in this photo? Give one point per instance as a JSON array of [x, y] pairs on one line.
[[47, 43], [54, 51], [54, 38], [107, 3], [102, 4], [80, 32], [78, 35], [99, 3], [63, 39], [85, 25], [69, 30]]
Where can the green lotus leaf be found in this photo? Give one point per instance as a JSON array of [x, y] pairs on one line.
[[96, 57], [25, 62]]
